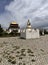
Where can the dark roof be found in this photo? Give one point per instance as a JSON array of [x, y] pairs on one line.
[[14, 26]]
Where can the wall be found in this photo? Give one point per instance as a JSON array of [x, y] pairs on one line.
[[30, 34]]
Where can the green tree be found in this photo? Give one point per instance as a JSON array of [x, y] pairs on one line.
[[1, 30]]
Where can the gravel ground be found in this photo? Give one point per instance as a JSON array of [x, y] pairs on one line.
[[16, 51]]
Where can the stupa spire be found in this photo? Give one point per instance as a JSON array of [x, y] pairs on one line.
[[29, 25]]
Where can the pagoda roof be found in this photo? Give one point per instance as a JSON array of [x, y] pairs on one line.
[[14, 26], [13, 22]]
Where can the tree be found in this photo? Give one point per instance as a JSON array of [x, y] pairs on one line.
[[1, 30]]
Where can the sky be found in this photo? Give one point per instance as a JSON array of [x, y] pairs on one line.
[[22, 10]]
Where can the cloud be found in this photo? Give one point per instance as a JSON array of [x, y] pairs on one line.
[[22, 10], [6, 18]]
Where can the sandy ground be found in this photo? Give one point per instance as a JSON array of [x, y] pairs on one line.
[[16, 51]]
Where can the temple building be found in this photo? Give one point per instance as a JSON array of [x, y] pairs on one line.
[[14, 27], [29, 32]]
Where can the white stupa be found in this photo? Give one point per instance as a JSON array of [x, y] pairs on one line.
[[29, 33]]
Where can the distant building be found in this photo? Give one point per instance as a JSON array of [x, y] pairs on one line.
[[14, 27], [29, 33]]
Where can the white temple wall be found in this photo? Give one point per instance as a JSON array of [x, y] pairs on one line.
[[23, 34], [35, 34], [30, 34]]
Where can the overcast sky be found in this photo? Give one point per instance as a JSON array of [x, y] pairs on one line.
[[22, 10]]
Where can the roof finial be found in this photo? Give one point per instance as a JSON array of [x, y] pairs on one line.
[[28, 23]]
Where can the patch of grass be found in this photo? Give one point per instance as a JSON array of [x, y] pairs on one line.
[[16, 47], [20, 63], [22, 50], [33, 60], [42, 50], [29, 51], [0, 60], [21, 57], [31, 55], [12, 51], [11, 57], [23, 54], [17, 55], [18, 52], [24, 63], [12, 60], [9, 60]]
